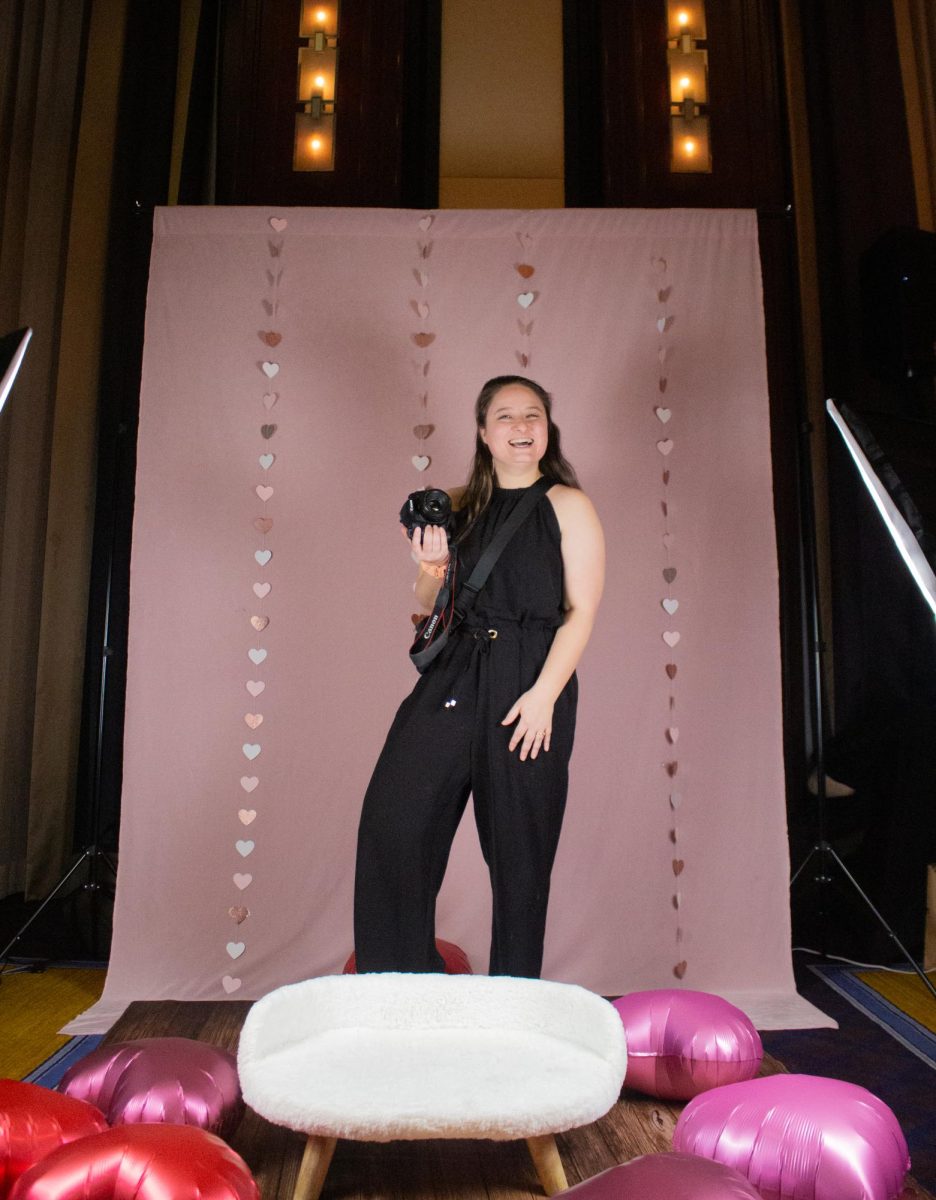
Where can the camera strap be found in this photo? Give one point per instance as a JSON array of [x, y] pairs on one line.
[[435, 631]]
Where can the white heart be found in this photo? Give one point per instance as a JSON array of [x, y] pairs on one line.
[[270, 369], [665, 446], [251, 750], [244, 848], [261, 590], [269, 400], [670, 606], [661, 324], [675, 800], [256, 656], [243, 881], [249, 782], [247, 815], [255, 687], [263, 556], [420, 461], [266, 461], [673, 734], [525, 299], [425, 223], [230, 985], [263, 492], [421, 278], [278, 223], [236, 949], [661, 354], [663, 413], [671, 638]]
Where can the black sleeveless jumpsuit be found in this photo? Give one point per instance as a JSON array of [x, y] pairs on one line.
[[438, 752]]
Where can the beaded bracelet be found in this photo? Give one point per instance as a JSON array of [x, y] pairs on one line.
[[436, 570]]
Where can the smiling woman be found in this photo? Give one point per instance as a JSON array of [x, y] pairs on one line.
[[495, 716]]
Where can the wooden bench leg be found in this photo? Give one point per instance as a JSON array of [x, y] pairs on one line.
[[548, 1163], [314, 1168]]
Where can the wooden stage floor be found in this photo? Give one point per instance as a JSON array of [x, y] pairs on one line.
[[422, 1170]]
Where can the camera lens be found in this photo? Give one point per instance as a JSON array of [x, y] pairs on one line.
[[435, 505]]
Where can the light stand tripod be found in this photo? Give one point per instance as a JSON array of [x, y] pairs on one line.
[[822, 852]]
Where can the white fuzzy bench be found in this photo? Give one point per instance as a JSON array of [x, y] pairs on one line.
[[387, 1056]]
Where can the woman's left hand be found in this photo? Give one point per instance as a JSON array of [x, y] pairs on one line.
[[534, 726]]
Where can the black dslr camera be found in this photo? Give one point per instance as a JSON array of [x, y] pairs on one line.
[[431, 506]]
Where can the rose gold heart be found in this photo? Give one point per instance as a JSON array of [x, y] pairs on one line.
[[270, 337], [672, 735], [523, 359], [278, 223], [671, 637], [665, 478], [525, 270], [669, 574], [677, 901], [259, 623], [255, 687], [421, 278], [420, 461], [661, 384], [671, 769], [423, 398], [247, 816], [253, 720], [664, 294], [238, 913], [525, 327], [264, 524], [423, 339], [425, 223], [423, 431], [270, 399], [262, 589], [425, 370], [680, 969], [665, 446], [267, 431], [664, 508], [671, 670], [263, 492], [678, 865], [426, 250]]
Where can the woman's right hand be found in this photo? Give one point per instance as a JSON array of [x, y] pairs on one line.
[[429, 543]]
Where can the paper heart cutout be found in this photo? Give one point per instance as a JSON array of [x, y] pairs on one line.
[[263, 556], [269, 399], [672, 735], [278, 223], [425, 223], [670, 605], [662, 353], [238, 913], [665, 478], [236, 949], [664, 508], [423, 431], [525, 327], [263, 524], [664, 414], [266, 461], [247, 816], [256, 656], [268, 307], [262, 590], [230, 984], [667, 540], [671, 637], [664, 294], [420, 461], [680, 969], [243, 881], [679, 935], [423, 339], [423, 398], [425, 250], [259, 623], [671, 769], [251, 750], [669, 574], [244, 848], [678, 866], [249, 783], [665, 446], [525, 239], [425, 369], [525, 270], [675, 800], [263, 492], [421, 277], [523, 359], [676, 900], [255, 687], [660, 264], [671, 670], [267, 431], [664, 323], [270, 337], [270, 369], [420, 308], [661, 383], [525, 299]]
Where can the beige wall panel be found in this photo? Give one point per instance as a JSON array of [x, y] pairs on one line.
[[501, 193]]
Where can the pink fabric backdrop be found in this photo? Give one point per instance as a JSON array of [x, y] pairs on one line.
[[619, 301]]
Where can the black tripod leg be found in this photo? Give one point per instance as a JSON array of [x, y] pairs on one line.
[[8, 948]]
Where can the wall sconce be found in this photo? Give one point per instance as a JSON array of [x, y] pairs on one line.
[[314, 147], [687, 58]]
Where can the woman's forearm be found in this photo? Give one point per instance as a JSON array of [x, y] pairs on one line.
[[426, 588], [566, 650]]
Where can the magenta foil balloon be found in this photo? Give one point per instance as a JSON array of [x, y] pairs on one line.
[[800, 1137], [140, 1162], [34, 1121], [666, 1177], [681, 1043], [173, 1081]]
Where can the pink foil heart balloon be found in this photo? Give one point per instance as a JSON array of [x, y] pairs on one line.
[[665, 1177]]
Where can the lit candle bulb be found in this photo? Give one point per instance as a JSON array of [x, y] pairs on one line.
[[690, 147], [321, 16], [320, 81], [685, 83], [316, 144]]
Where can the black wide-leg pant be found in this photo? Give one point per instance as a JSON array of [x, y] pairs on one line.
[[435, 756]]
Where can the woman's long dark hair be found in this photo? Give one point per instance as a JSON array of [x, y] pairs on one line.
[[480, 485]]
